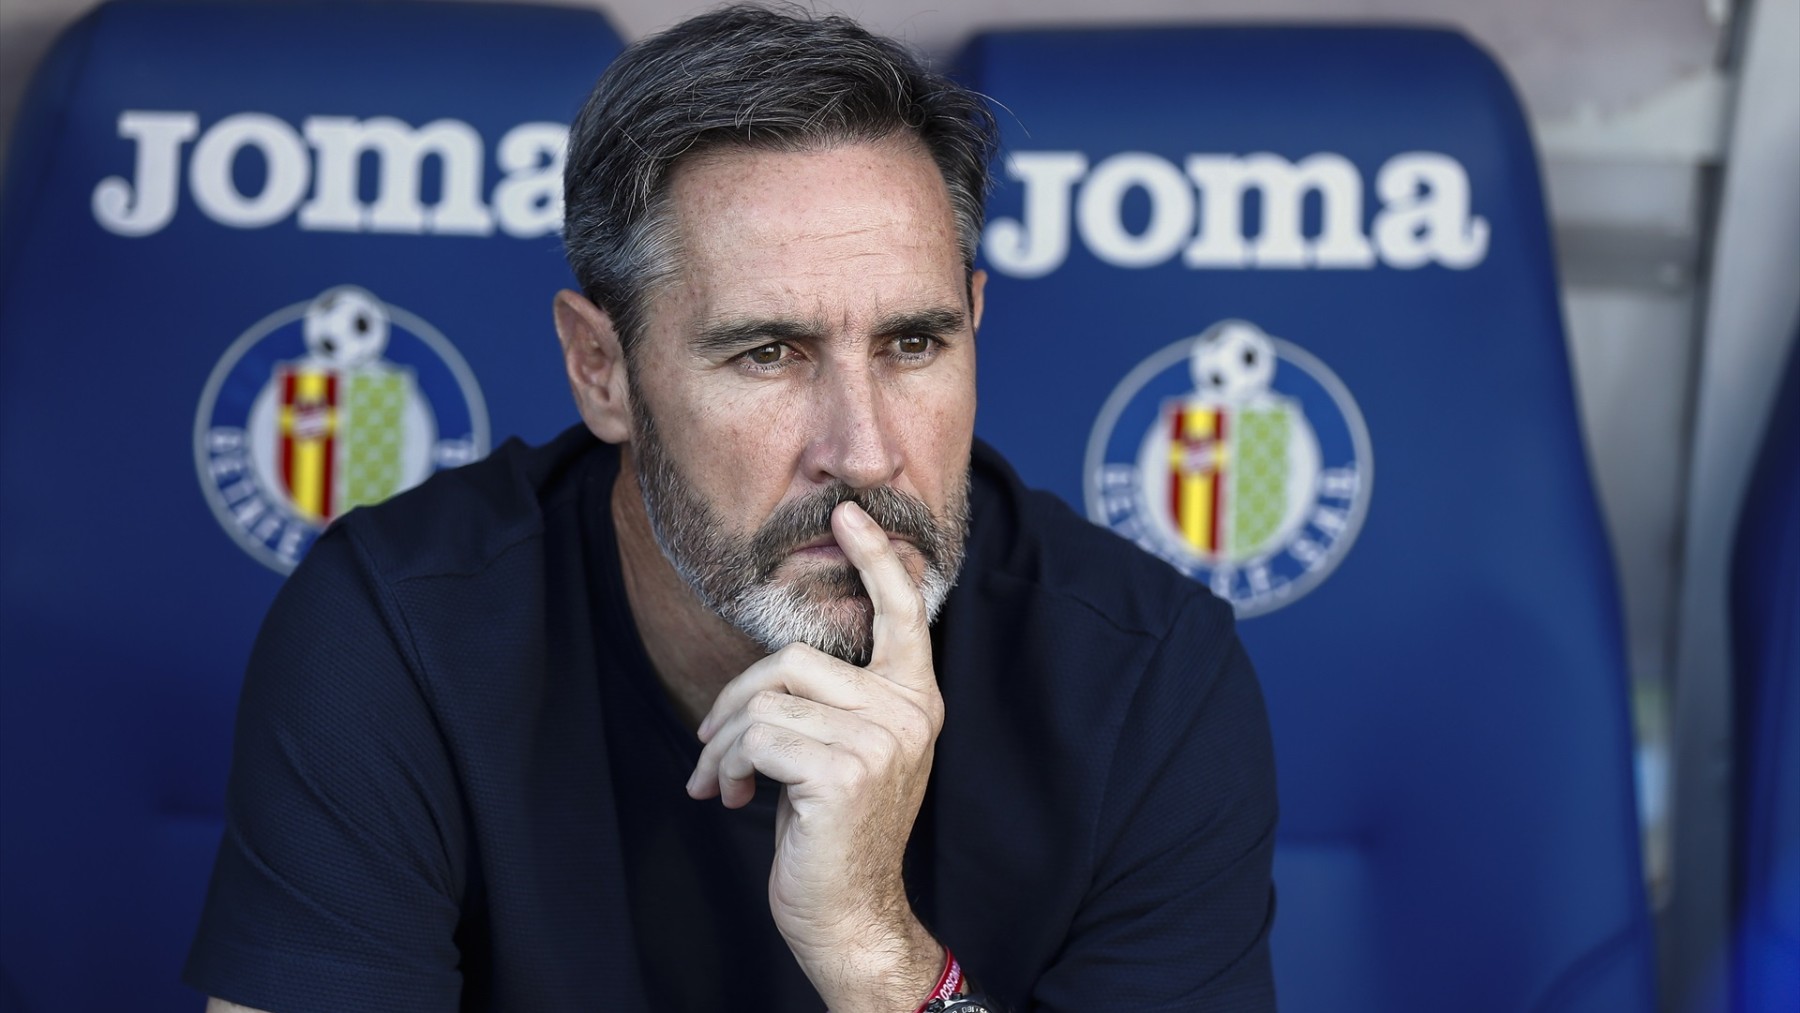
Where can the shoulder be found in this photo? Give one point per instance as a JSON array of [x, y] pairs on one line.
[[1035, 543], [407, 576], [1098, 703], [464, 520], [409, 615]]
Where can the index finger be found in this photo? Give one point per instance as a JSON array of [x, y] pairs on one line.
[[901, 635]]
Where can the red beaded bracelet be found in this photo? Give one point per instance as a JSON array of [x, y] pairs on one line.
[[949, 983]]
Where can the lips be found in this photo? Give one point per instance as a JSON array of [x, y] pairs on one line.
[[829, 542]]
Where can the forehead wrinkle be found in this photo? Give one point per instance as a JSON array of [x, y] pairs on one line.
[[864, 225], [720, 188], [759, 246], [784, 310]]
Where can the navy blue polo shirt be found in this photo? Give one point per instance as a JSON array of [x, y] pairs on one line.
[[456, 783]]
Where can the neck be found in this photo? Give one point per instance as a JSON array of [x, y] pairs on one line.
[[694, 652]]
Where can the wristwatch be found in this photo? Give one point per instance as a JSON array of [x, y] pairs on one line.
[[951, 994], [958, 1003]]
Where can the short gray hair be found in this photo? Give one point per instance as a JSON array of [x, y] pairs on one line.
[[751, 77]]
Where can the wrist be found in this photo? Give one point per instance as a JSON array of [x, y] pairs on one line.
[[896, 971], [949, 985]]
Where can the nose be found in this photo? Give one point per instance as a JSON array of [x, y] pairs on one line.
[[855, 441]]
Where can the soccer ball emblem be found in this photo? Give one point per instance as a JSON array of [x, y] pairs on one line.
[[346, 327], [1232, 363], [1237, 456]]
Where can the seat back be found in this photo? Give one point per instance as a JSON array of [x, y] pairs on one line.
[[1279, 304], [1765, 633], [182, 407]]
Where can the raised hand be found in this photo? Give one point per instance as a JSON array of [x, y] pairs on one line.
[[852, 748]]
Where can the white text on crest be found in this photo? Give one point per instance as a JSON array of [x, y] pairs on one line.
[[1197, 212], [324, 158]]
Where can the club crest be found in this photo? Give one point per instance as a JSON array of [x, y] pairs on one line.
[[1238, 457], [324, 406]]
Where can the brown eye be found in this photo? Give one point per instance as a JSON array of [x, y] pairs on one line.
[[913, 344], [767, 355]]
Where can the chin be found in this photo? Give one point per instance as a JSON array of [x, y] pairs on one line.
[[842, 628], [850, 612], [836, 604], [824, 608]]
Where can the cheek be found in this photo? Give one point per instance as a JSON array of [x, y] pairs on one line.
[[940, 423], [738, 447]]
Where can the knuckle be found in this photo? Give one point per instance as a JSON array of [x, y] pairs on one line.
[[769, 741], [932, 707], [795, 653], [734, 766], [920, 714], [764, 703], [757, 738], [913, 732], [913, 728], [852, 773], [883, 746]]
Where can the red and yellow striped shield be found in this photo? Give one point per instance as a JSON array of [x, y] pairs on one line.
[[309, 424], [1197, 463]]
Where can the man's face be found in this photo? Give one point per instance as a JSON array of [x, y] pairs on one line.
[[816, 345]]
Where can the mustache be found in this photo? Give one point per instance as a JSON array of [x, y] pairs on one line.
[[804, 520]]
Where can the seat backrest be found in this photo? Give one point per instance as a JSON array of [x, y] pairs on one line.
[[1279, 305], [1765, 633], [182, 407]]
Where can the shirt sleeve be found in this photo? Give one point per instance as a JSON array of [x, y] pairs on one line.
[[338, 883], [1182, 902]]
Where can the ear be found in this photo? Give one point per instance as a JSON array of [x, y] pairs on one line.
[[977, 284], [596, 364]]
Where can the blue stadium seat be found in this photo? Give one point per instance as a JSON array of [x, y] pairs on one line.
[[259, 263], [1765, 612], [1280, 305]]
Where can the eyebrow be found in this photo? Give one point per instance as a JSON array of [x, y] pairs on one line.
[[735, 335], [932, 323]]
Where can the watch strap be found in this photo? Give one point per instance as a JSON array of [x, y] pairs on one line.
[[949, 985]]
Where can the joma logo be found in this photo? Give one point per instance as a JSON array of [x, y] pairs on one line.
[[324, 157], [1424, 216]]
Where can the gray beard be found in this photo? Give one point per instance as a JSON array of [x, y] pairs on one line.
[[824, 606]]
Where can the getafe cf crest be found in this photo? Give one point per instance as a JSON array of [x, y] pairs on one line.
[[1238, 457], [324, 406]]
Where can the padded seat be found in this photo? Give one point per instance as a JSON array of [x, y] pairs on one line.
[[183, 407], [1279, 304], [1765, 629]]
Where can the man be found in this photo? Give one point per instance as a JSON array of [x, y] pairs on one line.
[[954, 730]]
